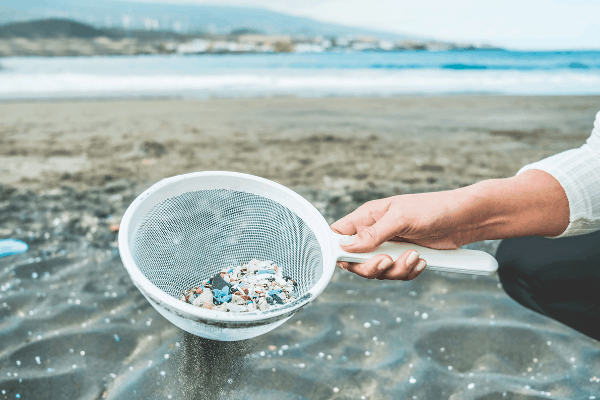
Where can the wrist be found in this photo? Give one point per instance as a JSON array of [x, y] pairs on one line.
[[478, 216], [532, 203]]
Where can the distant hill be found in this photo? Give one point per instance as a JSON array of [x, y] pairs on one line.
[[184, 18], [51, 28], [57, 28]]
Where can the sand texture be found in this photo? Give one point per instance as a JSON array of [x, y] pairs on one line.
[[73, 326], [420, 143]]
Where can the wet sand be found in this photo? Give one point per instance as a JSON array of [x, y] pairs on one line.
[[73, 325]]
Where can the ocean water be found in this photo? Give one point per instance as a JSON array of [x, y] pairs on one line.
[[325, 74]]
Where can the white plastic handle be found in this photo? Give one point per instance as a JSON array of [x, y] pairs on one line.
[[461, 260]]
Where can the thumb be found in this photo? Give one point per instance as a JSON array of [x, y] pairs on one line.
[[372, 237]]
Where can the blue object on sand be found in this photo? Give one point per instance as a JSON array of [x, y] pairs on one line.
[[9, 247]]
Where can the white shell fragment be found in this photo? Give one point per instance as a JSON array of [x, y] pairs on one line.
[[257, 285]]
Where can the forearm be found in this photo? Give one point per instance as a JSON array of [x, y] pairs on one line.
[[532, 203]]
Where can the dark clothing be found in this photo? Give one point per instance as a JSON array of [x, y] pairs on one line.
[[559, 278]]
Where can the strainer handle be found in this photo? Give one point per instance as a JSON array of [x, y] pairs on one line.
[[461, 260]]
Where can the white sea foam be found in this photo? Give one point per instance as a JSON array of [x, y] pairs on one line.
[[357, 82]]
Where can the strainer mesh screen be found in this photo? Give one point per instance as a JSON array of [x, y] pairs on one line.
[[188, 238]]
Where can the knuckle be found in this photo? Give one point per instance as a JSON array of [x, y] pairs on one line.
[[369, 203], [372, 273], [404, 273], [370, 234]]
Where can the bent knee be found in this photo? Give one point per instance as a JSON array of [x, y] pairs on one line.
[[523, 257]]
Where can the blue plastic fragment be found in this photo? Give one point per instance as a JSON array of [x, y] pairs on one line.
[[225, 299], [222, 295], [249, 302], [230, 270], [265, 271], [274, 291], [9, 247]]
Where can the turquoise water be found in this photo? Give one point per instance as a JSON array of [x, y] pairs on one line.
[[325, 74]]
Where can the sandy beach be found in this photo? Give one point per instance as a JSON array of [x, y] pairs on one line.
[[73, 326]]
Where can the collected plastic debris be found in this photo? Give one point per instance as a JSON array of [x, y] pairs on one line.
[[9, 247], [258, 285]]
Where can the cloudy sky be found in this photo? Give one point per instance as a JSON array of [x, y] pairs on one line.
[[526, 24]]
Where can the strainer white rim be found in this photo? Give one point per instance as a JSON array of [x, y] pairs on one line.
[[296, 203]]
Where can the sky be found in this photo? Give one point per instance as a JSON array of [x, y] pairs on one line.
[[517, 24]]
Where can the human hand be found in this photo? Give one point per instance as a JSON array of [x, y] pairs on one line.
[[427, 219], [531, 203]]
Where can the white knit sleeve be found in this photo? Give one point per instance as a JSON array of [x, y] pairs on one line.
[[578, 171]]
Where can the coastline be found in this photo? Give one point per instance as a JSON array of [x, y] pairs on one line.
[[309, 75]]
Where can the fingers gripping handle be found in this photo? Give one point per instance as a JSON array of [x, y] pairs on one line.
[[461, 260]]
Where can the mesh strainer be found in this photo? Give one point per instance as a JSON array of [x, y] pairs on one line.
[[187, 228]]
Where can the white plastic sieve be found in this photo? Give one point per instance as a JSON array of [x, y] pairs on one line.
[[185, 229]]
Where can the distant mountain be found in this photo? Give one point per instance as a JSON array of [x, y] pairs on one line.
[[51, 28], [184, 18]]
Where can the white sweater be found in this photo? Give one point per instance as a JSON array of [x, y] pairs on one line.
[[578, 171]]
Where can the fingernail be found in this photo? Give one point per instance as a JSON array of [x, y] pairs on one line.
[[340, 265], [346, 240], [385, 264], [421, 265], [412, 257]]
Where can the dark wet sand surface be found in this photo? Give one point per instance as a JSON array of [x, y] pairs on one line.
[[73, 326]]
